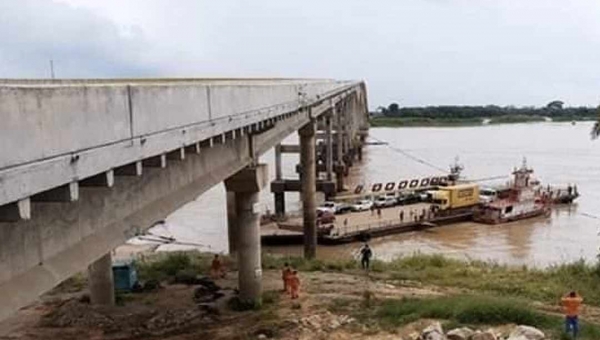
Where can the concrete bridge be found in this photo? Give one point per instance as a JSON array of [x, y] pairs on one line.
[[87, 164]]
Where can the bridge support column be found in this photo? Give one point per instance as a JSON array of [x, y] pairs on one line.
[[101, 282], [245, 186], [360, 153], [309, 187], [279, 197], [328, 149], [279, 204], [232, 232]]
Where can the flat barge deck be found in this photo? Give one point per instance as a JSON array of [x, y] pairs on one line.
[[361, 226]]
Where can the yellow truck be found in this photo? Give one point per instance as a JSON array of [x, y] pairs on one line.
[[455, 196]]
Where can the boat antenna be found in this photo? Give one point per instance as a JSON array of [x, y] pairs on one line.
[[456, 169]]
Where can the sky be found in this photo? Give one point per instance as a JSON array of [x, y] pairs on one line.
[[413, 52]]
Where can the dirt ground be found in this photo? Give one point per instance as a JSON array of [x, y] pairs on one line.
[[171, 313]]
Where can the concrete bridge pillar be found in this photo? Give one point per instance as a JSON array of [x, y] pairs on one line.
[[101, 282], [245, 186], [328, 148], [232, 232], [279, 196], [309, 187]]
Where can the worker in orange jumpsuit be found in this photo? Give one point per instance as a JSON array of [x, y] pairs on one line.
[[286, 273], [571, 304], [216, 268], [294, 284]]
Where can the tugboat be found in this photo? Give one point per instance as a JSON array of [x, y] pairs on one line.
[[522, 199]]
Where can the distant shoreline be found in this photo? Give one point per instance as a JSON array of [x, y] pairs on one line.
[[382, 121]]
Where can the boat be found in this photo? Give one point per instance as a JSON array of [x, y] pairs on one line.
[[520, 200]]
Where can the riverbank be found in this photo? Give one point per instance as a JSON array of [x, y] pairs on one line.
[[338, 301], [454, 122]]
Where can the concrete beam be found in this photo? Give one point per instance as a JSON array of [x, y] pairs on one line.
[[17, 211], [64, 193], [154, 132]]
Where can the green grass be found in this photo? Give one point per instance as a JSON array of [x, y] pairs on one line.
[[173, 266], [423, 121], [275, 262], [546, 285], [474, 311]]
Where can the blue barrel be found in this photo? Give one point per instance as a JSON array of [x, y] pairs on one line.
[[124, 275]]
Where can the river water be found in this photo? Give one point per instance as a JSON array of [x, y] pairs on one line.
[[560, 153]]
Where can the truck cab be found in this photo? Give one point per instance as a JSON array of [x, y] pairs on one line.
[[440, 199]]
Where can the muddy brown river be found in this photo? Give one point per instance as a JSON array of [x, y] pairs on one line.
[[560, 154]]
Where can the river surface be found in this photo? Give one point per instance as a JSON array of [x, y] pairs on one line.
[[560, 154]]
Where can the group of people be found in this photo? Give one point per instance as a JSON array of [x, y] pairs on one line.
[[291, 281]]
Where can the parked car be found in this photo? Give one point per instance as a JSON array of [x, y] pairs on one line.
[[343, 208], [361, 205], [407, 199], [325, 217], [385, 201], [328, 206], [334, 207]]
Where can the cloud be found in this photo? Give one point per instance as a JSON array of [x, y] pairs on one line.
[[416, 52], [80, 42]]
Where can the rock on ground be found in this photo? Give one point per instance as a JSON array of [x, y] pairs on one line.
[[487, 335], [526, 333], [463, 333], [433, 332]]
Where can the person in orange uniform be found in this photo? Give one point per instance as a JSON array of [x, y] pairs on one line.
[[216, 268], [571, 304], [286, 272], [294, 283]]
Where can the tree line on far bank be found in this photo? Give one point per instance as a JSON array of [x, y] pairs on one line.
[[554, 109]]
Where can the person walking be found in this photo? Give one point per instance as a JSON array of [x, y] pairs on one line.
[[401, 216], [286, 272], [294, 285], [571, 303], [365, 256], [378, 212]]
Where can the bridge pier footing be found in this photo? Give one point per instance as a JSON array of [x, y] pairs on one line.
[[101, 282], [244, 187], [309, 187]]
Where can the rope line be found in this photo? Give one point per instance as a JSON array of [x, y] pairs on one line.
[[408, 155]]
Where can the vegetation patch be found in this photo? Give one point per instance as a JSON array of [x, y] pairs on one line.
[[474, 311]]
